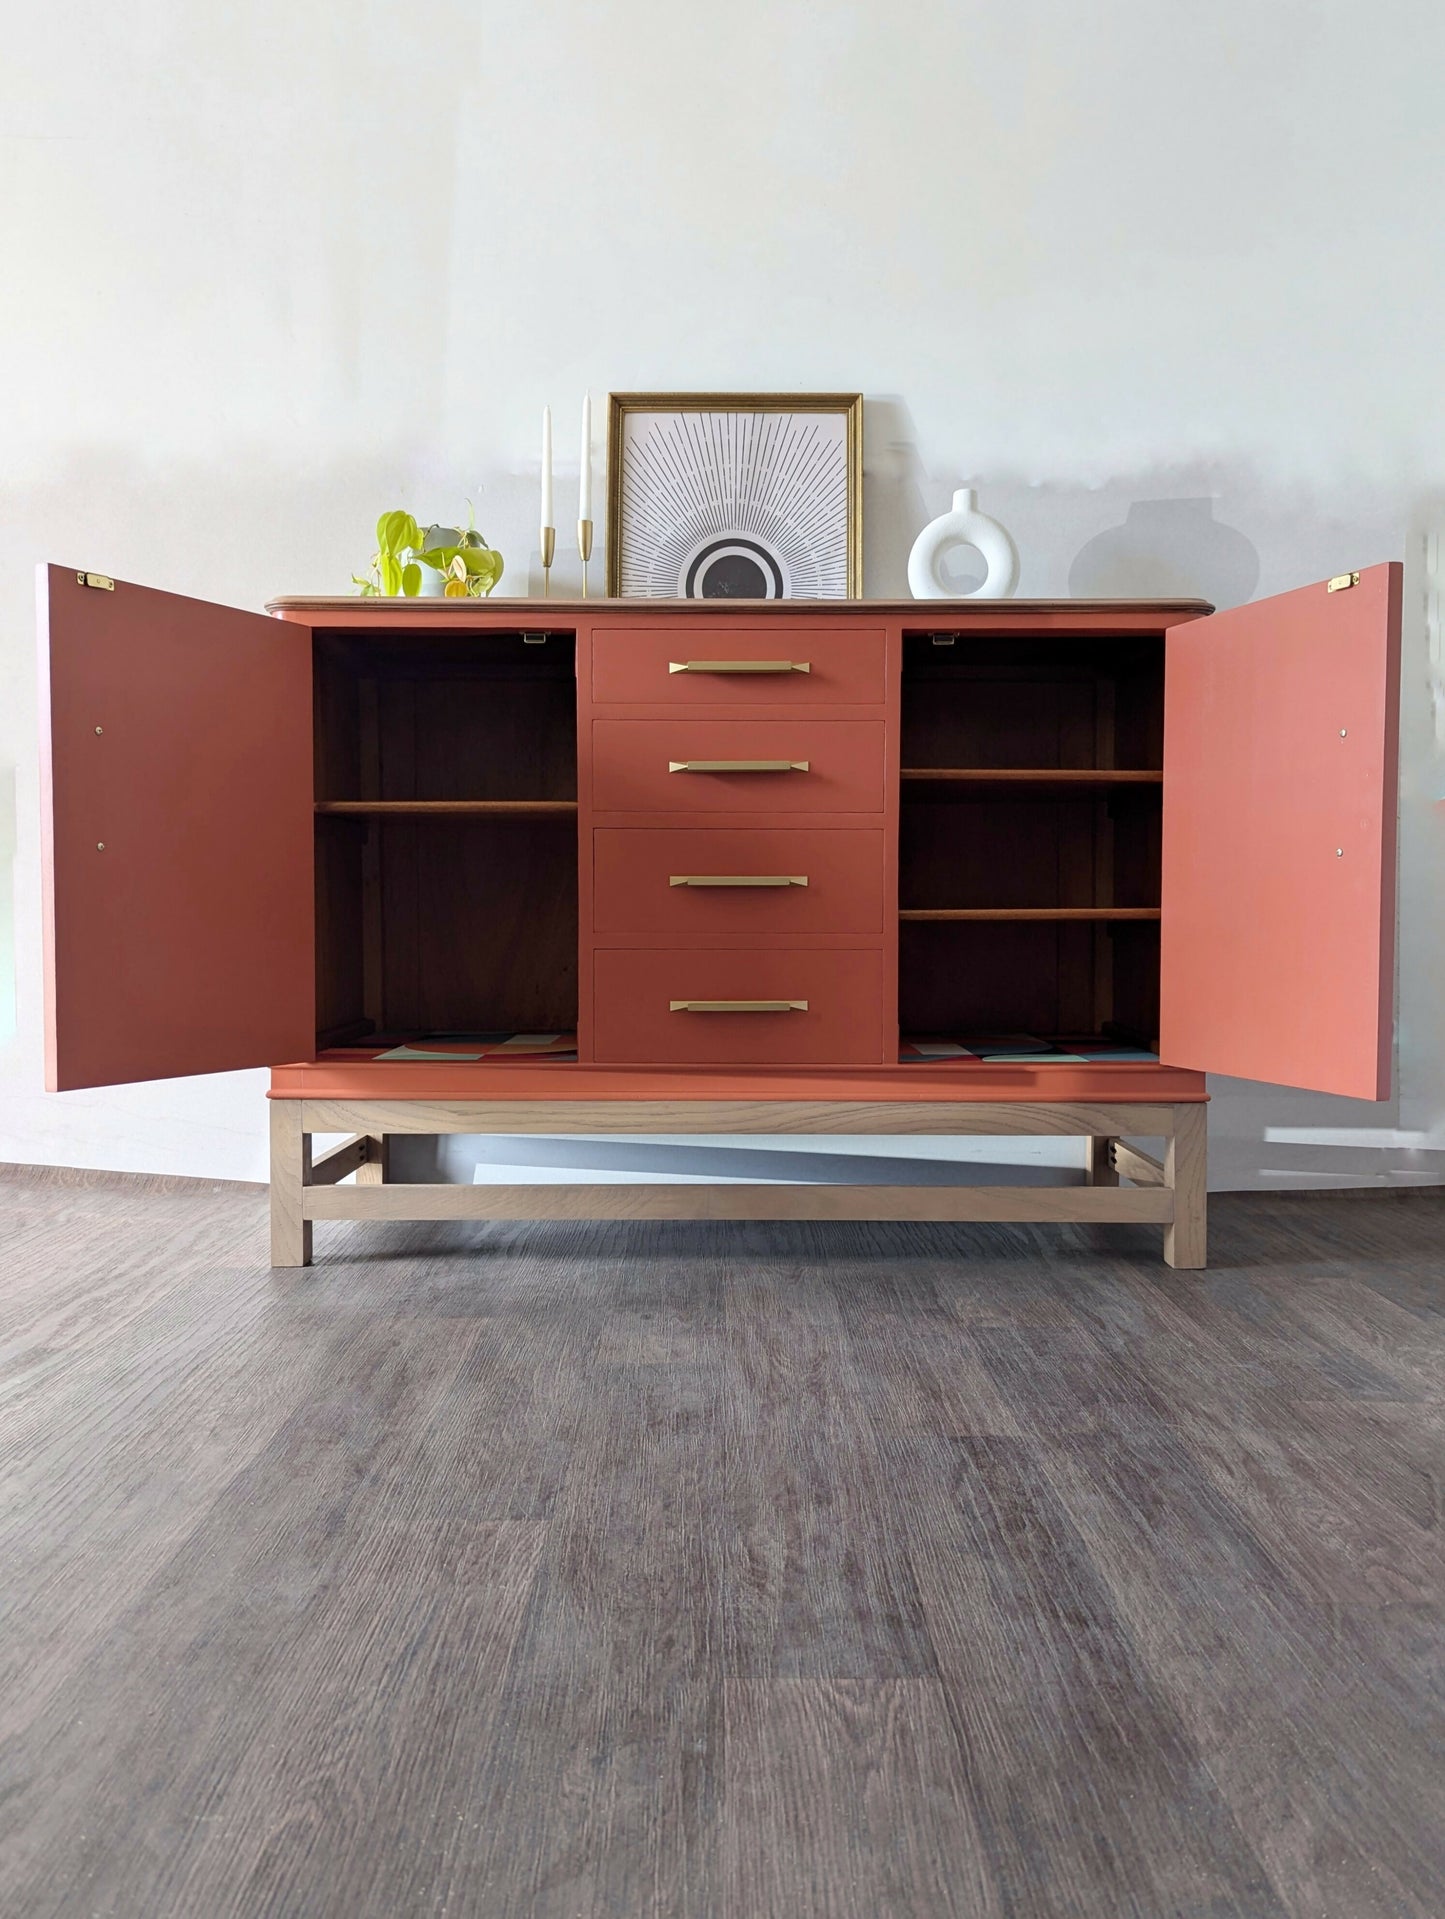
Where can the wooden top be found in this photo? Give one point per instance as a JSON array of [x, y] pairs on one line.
[[927, 612]]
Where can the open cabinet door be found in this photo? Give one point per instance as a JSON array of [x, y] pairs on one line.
[[176, 771], [1280, 793]]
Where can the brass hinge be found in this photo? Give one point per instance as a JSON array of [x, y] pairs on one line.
[[97, 580], [1341, 581]]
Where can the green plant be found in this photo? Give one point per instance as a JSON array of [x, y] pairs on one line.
[[471, 567], [396, 534]]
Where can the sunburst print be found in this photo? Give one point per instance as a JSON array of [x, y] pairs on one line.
[[735, 505]]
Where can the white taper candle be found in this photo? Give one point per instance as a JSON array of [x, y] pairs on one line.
[[584, 490], [547, 519]]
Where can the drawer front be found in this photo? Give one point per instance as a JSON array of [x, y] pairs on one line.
[[812, 766], [661, 883], [823, 1008], [707, 664]]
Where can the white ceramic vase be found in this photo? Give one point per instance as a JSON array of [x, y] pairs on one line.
[[964, 526]]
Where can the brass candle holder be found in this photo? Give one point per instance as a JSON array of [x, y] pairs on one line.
[[549, 551], [584, 547]]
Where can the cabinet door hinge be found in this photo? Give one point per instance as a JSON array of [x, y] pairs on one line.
[[1341, 581], [97, 580]]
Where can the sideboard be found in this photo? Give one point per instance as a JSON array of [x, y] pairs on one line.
[[603, 867]]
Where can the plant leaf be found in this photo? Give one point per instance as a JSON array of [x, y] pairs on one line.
[[454, 589], [411, 580], [390, 571], [484, 564], [397, 530]]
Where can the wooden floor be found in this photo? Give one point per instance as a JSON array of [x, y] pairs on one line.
[[738, 1571]]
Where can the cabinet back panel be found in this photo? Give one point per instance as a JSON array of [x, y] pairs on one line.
[[337, 727], [446, 717], [479, 924], [340, 984], [1040, 702], [991, 852], [445, 739], [1028, 976], [1032, 702], [446, 923], [1139, 713], [1135, 998], [1136, 834], [963, 721]]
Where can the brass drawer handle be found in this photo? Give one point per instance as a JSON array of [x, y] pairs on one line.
[[737, 1006], [737, 879], [737, 766], [740, 666]]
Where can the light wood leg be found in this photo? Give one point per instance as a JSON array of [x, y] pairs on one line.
[[1186, 1167], [375, 1169], [1100, 1164], [290, 1172]]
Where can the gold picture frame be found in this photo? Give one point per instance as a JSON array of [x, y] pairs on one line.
[[668, 495]]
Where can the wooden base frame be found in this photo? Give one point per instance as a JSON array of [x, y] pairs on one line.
[[1169, 1192]]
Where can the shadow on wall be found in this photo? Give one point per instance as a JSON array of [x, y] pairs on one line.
[[1238, 1161], [896, 496], [1167, 549], [552, 1159]]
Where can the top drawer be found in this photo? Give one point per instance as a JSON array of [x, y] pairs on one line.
[[709, 663]]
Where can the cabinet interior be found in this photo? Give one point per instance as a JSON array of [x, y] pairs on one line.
[[1030, 835], [446, 834]]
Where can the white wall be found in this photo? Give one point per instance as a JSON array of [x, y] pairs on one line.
[[266, 270]]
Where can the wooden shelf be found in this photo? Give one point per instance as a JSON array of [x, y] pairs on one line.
[[1029, 913], [1027, 777], [487, 809]]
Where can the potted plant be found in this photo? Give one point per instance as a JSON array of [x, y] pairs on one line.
[[453, 562]]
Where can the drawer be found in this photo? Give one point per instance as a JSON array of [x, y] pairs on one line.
[[816, 766], [828, 1008], [659, 882], [708, 664]]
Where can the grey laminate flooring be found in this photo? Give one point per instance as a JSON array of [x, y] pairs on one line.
[[720, 1570]]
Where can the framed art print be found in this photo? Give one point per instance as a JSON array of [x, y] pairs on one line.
[[748, 496]]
